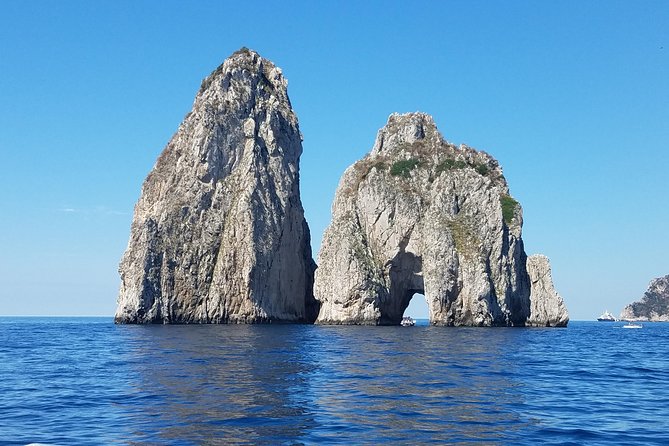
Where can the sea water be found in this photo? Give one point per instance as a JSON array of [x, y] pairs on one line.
[[80, 381]]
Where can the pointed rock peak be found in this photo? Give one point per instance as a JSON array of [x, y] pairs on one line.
[[244, 52], [246, 64], [218, 233], [405, 129], [245, 58]]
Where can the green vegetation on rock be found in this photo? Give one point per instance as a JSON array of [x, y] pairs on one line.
[[508, 207], [452, 164], [404, 167], [464, 236], [482, 169], [449, 164]]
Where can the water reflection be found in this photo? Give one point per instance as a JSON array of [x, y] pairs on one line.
[[418, 384], [222, 384], [89, 382], [287, 384]]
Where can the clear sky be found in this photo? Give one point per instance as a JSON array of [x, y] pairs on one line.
[[572, 97]]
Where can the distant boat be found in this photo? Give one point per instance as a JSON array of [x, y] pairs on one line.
[[631, 324], [606, 317], [407, 321]]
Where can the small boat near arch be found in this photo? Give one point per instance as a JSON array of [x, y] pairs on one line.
[[631, 324]]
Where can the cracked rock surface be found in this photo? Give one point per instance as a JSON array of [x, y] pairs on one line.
[[218, 234], [420, 215]]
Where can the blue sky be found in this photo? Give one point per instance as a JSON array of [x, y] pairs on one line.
[[572, 97]]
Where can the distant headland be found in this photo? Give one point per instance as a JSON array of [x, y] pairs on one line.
[[653, 306]]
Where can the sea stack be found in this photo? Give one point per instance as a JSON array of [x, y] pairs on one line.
[[218, 234], [653, 306], [420, 215]]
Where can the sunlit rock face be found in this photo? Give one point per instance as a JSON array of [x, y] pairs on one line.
[[218, 234], [547, 309], [420, 215], [653, 306]]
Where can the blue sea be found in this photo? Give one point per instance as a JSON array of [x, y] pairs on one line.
[[86, 381]]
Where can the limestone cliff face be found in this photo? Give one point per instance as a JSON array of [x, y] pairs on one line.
[[653, 306], [420, 215], [218, 234]]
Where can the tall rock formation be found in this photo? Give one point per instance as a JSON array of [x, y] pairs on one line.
[[420, 215], [653, 306], [546, 306], [218, 234]]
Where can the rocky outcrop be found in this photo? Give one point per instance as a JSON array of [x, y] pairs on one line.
[[547, 309], [420, 215], [218, 234], [653, 306]]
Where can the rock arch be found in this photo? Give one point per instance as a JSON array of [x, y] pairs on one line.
[[420, 215], [406, 279]]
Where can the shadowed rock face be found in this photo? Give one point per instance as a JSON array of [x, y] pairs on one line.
[[219, 234], [420, 215], [653, 306]]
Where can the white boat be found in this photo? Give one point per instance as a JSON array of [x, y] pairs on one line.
[[631, 324], [606, 317], [407, 321]]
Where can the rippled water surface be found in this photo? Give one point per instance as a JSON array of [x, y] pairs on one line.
[[75, 381]]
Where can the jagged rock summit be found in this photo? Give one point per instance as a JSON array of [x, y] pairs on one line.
[[218, 234], [653, 306], [420, 215]]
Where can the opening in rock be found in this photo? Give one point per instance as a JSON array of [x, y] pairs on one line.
[[406, 280], [417, 308]]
